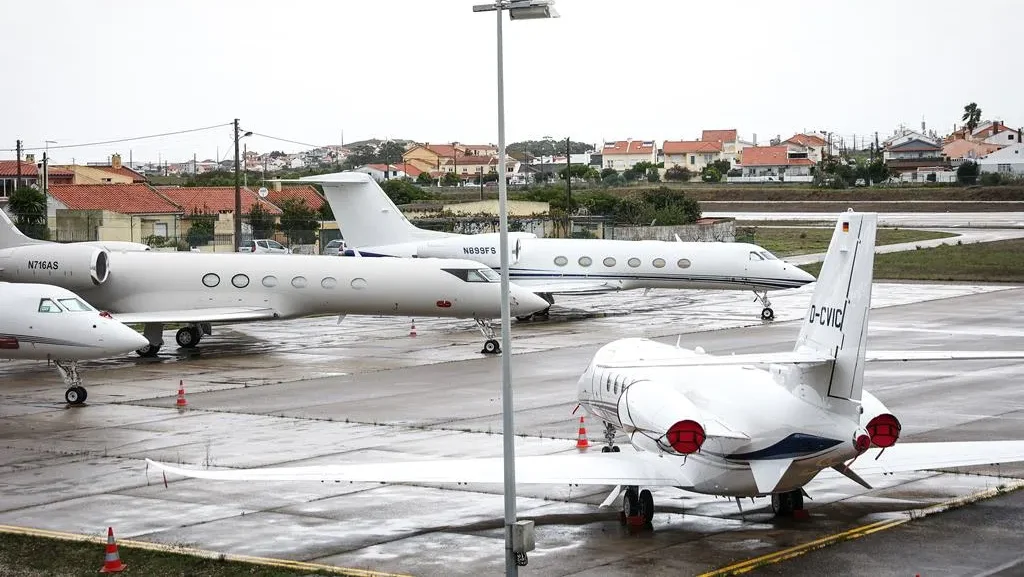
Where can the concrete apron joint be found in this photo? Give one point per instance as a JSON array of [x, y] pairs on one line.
[[857, 532]]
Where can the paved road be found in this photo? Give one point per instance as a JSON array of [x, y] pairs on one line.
[[908, 219]]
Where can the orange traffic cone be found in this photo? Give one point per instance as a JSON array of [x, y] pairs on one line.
[[581, 441], [112, 561], [412, 332], [181, 403]]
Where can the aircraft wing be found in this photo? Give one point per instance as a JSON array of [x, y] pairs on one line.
[[809, 358], [201, 315], [626, 468], [568, 286], [906, 457]]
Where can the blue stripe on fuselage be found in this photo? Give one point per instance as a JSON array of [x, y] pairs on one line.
[[795, 445]]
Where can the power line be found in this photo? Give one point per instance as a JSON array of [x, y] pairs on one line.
[[119, 140], [284, 140]]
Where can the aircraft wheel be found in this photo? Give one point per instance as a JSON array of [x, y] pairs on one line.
[[148, 351], [75, 395], [606, 449], [630, 504], [782, 504], [525, 318], [767, 314], [491, 347], [615, 448], [543, 315], [646, 506], [187, 337]]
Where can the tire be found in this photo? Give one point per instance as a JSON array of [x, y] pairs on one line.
[[630, 504], [74, 395], [615, 448], [782, 504], [148, 351], [606, 449], [491, 347], [187, 337], [767, 314], [523, 319], [646, 506]]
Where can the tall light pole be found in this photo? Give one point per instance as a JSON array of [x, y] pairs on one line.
[[238, 189], [518, 10]]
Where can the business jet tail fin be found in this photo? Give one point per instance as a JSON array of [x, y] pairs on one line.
[[365, 213], [836, 323], [10, 236]]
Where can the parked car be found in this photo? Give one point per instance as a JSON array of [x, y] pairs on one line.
[[336, 247], [264, 245]]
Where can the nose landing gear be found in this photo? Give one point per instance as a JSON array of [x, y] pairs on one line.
[[75, 393], [767, 313]]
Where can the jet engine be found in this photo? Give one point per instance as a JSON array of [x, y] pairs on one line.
[[882, 426], [71, 266], [482, 248], [659, 418]]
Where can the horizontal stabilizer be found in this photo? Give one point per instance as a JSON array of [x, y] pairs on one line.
[[849, 474], [908, 457], [811, 358], [625, 468], [768, 473], [209, 315], [907, 356]]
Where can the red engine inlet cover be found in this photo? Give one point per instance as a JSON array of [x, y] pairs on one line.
[[686, 436], [884, 430]]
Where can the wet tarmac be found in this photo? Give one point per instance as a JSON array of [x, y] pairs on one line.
[[313, 391]]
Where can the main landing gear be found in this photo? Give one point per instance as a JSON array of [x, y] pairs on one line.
[[637, 508], [75, 393], [787, 504], [491, 345], [542, 315], [154, 332], [188, 337], [767, 313]]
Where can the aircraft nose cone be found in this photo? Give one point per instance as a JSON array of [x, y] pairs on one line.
[[800, 274], [124, 339], [524, 302]]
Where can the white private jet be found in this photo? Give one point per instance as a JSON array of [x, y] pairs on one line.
[[197, 289], [373, 226], [718, 424], [44, 322]]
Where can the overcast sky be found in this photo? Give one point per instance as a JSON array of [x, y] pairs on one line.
[[311, 71]]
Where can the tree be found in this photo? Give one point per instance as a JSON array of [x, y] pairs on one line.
[[28, 205], [547, 147], [652, 175], [710, 174], [299, 222], [598, 203], [450, 179], [606, 172], [424, 178], [201, 227], [325, 212], [541, 177], [261, 221], [971, 117], [722, 166], [579, 171], [359, 155], [642, 167], [390, 152], [633, 211], [671, 207], [403, 191], [967, 172], [630, 175], [678, 173]]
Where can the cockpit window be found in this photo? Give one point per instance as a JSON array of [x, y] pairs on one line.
[[755, 256], [48, 306], [75, 305], [768, 256], [474, 275]]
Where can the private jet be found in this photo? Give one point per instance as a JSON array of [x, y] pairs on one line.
[[373, 226], [48, 323], [722, 425], [199, 289]]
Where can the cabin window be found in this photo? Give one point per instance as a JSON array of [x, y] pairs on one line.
[[609, 261], [358, 283], [615, 386], [683, 263], [608, 383], [755, 256], [585, 261], [48, 306], [633, 262], [75, 305], [561, 261], [329, 282], [299, 282], [270, 281], [211, 280], [240, 281], [658, 263]]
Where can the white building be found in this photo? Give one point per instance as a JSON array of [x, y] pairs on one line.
[[1009, 160]]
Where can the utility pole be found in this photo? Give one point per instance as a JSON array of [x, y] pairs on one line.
[[568, 189], [238, 196], [481, 182], [17, 183]]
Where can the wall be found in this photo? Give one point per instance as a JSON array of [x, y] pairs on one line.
[[721, 231]]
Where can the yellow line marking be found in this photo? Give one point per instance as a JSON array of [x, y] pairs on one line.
[[132, 544], [797, 550]]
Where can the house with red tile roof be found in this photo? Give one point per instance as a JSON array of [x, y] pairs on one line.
[[469, 167], [29, 175], [731, 143], [814, 145], [113, 173], [775, 161], [381, 173], [624, 154], [122, 212], [693, 155], [214, 199], [307, 193]]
